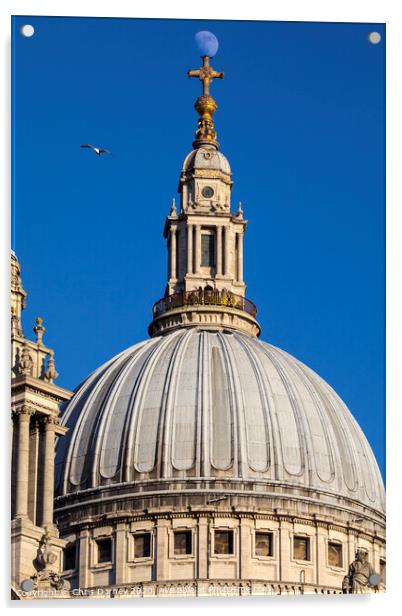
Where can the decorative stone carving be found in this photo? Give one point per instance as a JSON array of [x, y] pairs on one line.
[[45, 576], [361, 576], [51, 373], [50, 579], [239, 213], [25, 411], [26, 363], [16, 328], [39, 330], [18, 294], [45, 555], [173, 210], [51, 421]]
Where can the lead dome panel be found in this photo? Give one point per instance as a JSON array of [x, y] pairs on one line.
[[214, 404], [206, 157]]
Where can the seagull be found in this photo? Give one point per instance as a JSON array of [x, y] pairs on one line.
[[98, 151]]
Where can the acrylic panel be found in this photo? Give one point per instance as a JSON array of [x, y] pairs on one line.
[[198, 218]]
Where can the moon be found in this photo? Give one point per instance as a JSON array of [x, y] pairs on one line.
[[207, 43]]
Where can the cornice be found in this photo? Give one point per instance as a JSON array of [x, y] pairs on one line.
[[38, 386]]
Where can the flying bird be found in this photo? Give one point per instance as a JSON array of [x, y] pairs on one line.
[[98, 151]]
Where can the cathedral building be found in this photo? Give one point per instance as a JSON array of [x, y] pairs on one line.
[[201, 461]]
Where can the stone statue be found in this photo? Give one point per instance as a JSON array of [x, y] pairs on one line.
[[361, 576], [45, 577], [26, 363], [45, 555]]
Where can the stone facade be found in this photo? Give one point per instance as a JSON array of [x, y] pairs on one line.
[[35, 423], [279, 569]]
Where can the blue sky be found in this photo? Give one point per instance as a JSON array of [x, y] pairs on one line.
[[301, 118]]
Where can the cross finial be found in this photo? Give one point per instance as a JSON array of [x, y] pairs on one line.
[[206, 74], [205, 104]]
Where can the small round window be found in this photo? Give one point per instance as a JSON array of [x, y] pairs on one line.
[[207, 192]]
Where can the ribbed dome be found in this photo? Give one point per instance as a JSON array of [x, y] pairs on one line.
[[206, 157], [211, 404]]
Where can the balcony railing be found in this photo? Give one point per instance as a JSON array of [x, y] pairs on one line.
[[204, 297]]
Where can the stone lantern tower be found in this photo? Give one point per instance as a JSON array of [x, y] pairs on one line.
[[204, 237]]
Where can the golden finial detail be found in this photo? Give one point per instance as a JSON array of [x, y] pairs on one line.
[[39, 330], [205, 105]]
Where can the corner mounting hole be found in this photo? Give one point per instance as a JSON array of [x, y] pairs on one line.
[[27, 30], [374, 38]]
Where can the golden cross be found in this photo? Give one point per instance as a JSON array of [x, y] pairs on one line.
[[206, 74]]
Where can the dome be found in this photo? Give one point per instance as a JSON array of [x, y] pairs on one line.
[[208, 158], [219, 405]]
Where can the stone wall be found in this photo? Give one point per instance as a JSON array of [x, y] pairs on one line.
[[249, 558]]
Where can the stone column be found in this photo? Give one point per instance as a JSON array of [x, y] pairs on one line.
[[226, 259], [162, 549], [321, 539], [219, 251], [48, 471], [33, 470], [184, 198], [202, 548], [376, 556], [197, 249], [84, 558], [120, 553], [245, 549], [13, 462], [240, 257], [173, 273], [21, 507], [351, 547], [285, 534], [190, 249]]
